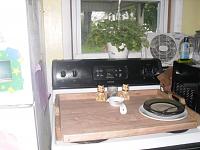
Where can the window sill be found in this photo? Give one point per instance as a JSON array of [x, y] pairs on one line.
[[105, 55]]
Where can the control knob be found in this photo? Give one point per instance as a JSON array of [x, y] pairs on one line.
[[63, 74], [74, 73]]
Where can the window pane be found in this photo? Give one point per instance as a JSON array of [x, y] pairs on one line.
[[94, 11]]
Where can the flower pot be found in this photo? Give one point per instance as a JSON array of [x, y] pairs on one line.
[[114, 53]]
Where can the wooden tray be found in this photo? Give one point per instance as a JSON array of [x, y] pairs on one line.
[[80, 118]]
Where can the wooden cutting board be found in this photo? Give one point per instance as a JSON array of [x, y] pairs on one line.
[[80, 118]]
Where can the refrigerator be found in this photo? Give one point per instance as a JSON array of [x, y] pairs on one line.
[[24, 117]]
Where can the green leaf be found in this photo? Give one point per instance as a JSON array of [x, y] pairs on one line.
[[126, 31]]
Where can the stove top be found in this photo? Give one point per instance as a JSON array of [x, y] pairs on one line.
[[71, 74]]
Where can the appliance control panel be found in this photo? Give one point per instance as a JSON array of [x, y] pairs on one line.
[[90, 73], [110, 73]]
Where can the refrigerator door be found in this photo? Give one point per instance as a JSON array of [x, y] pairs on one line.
[[15, 73], [17, 129]]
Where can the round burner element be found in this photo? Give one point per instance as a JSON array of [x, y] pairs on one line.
[[163, 110], [92, 141], [163, 107]]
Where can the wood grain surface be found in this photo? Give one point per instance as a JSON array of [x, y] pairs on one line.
[[81, 118]]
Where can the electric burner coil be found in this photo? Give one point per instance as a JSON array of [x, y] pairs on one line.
[[164, 107], [163, 110]]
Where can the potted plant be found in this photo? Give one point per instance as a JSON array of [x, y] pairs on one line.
[[119, 36]]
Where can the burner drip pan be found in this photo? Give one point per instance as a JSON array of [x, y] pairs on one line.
[[163, 109]]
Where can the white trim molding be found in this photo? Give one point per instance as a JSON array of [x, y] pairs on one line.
[[162, 16], [66, 28], [177, 13]]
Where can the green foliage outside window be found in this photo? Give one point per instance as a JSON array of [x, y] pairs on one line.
[[127, 30]]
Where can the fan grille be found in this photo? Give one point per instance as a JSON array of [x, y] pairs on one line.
[[163, 47]]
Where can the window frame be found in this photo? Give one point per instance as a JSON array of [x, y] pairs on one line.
[[72, 29]]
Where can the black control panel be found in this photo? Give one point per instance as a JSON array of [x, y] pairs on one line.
[[90, 73]]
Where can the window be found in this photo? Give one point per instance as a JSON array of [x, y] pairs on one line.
[[93, 12], [151, 14]]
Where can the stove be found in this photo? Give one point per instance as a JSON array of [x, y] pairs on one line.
[[83, 76]]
